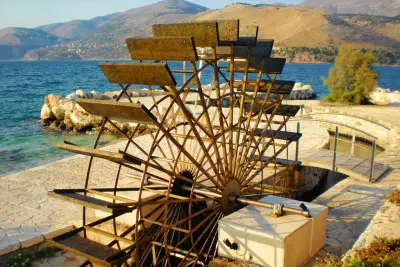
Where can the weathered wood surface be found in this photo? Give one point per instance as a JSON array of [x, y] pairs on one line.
[[228, 31], [121, 111], [138, 73], [247, 35], [284, 110], [162, 48], [278, 87], [111, 156], [263, 48], [87, 201], [89, 249], [205, 34], [281, 135], [270, 65]]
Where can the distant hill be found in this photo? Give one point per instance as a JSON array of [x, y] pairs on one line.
[[311, 35], [301, 34], [389, 8], [75, 29], [107, 40], [15, 42]]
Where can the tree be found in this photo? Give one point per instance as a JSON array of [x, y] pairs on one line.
[[351, 79]]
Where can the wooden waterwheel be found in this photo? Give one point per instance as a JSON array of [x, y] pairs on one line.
[[207, 151]]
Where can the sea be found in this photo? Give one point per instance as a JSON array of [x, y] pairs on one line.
[[25, 143]]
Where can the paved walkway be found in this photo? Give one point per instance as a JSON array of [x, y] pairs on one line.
[[29, 216], [358, 212]]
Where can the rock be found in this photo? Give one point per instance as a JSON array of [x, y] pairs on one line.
[[80, 93], [54, 125], [79, 108], [53, 100], [302, 92], [94, 95], [46, 114], [112, 95], [72, 96], [381, 96], [78, 118], [58, 112]]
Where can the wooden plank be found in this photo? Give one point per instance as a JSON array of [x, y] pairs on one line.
[[112, 156], [138, 73], [228, 31], [281, 135], [270, 66], [121, 111], [247, 35], [280, 161], [162, 48], [279, 86], [106, 234], [88, 201], [91, 250], [284, 110], [205, 34], [263, 48]]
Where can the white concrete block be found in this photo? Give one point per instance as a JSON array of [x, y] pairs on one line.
[[289, 240]]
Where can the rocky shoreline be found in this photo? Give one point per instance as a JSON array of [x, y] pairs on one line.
[[63, 114]]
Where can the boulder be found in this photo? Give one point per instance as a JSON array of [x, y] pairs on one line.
[[53, 100], [80, 93], [112, 95], [58, 112], [46, 114], [94, 95], [79, 118], [72, 97], [302, 92], [381, 96], [79, 108], [54, 125]]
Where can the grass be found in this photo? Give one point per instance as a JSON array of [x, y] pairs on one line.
[[394, 197], [27, 259], [383, 252]]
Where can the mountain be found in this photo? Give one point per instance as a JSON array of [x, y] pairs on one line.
[[312, 35], [389, 8], [75, 29], [107, 40], [15, 42], [301, 34]]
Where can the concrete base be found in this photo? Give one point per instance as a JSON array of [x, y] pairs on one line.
[[289, 240]]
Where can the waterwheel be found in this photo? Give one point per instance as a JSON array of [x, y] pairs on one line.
[[205, 152]]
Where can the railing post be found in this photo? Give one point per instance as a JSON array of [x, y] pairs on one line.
[[297, 142], [353, 141], [335, 148], [372, 170]]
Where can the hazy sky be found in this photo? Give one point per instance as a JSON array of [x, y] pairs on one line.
[[32, 13]]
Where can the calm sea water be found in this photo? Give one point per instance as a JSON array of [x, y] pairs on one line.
[[23, 85]]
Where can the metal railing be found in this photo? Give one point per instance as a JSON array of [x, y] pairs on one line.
[[337, 138]]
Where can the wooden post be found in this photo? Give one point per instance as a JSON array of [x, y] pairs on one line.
[[353, 142], [298, 142], [372, 170], [335, 148]]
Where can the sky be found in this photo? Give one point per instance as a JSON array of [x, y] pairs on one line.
[[32, 13]]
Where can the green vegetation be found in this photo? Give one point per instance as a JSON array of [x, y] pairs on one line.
[[382, 252], [394, 197], [27, 259], [352, 78]]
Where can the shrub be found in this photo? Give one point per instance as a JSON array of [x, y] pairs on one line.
[[383, 252], [394, 197], [351, 79]]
